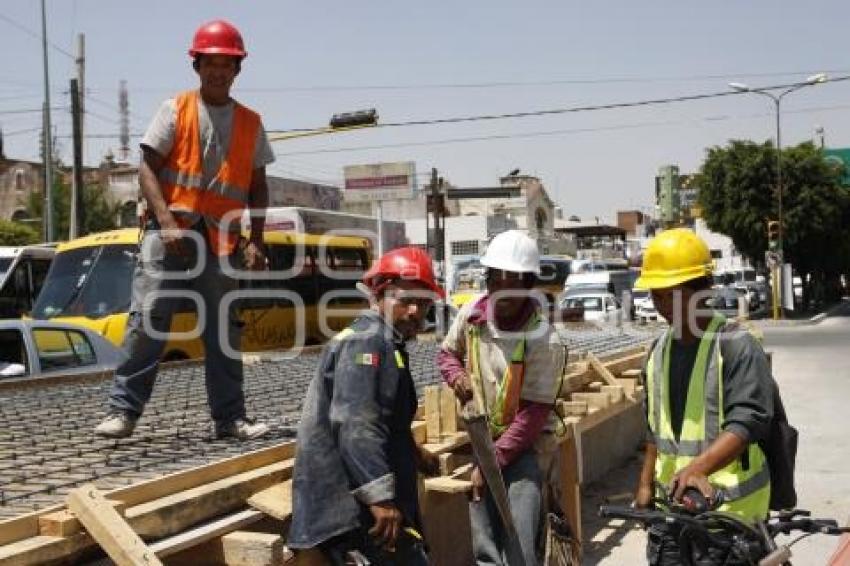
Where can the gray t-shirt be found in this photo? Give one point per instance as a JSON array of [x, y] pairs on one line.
[[215, 124]]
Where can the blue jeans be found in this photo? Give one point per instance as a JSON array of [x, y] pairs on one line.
[[523, 482], [134, 380]]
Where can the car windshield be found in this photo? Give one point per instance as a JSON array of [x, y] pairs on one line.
[[640, 294], [587, 303], [92, 282]]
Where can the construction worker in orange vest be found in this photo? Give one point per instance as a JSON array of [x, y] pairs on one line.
[[203, 162]]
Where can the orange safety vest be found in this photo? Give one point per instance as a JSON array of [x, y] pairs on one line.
[[228, 192]]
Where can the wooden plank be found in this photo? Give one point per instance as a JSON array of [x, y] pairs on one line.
[[23, 526], [448, 411], [275, 501], [205, 532], [631, 373], [447, 528], [180, 481], [593, 400], [43, 549], [450, 444], [171, 514], [570, 484], [64, 523], [601, 369], [573, 408], [108, 528], [575, 378], [244, 548], [450, 461], [432, 413], [615, 392], [444, 484], [628, 384]]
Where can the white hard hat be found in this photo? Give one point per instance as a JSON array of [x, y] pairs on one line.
[[512, 251]]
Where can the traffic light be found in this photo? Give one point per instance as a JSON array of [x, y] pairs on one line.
[[773, 235], [358, 119]]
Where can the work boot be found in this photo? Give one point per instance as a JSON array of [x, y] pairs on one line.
[[241, 429], [117, 424]]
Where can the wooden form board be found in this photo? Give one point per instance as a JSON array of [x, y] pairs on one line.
[[109, 529], [440, 413]]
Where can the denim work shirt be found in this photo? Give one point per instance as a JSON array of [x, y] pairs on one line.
[[355, 445]]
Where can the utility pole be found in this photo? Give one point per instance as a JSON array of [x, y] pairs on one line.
[[435, 205], [48, 136], [81, 80], [77, 212]]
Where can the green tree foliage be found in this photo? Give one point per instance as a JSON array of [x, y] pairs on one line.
[[100, 214], [17, 234], [738, 197]]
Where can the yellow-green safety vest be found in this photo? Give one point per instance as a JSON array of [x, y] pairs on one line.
[[746, 491], [504, 407]]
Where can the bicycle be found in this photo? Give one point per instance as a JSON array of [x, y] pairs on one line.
[[697, 525]]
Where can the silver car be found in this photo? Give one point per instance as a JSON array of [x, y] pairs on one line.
[[36, 348]]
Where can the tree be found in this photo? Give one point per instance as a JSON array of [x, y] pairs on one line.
[[17, 234], [100, 214], [738, 197]]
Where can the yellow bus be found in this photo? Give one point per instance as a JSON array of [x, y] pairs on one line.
[[90, 281]]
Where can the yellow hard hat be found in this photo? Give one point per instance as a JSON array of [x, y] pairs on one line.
[[673, 257]]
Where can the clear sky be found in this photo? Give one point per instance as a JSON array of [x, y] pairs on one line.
[[423, 60]]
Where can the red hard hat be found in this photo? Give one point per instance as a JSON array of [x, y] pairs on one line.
[[218, 37], [409, 263]]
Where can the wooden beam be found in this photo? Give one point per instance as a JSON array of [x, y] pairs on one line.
[[432, 413], [448, 411], [205, 532], [171, 514], [109, 529], [275, 501], [593, 400], [43, 550], [187, 479], [615, 392], [601, 370], [445, 484], [570, 482], [244, 548]]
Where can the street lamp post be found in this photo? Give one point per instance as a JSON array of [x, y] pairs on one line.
[[777, 102]]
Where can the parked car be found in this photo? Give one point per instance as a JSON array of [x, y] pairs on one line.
[[598, 306], [725, 301], [644, 308], [30, 348]]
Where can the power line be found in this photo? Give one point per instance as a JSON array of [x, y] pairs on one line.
[[576, 109], [34, 34], [545, 133], [32, 110]]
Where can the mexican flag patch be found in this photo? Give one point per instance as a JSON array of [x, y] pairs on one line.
[[366, 360]]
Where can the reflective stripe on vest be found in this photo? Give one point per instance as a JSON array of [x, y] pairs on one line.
[[504, 407], [228, 192], [746, 492]]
